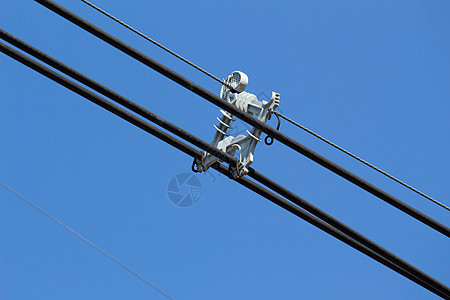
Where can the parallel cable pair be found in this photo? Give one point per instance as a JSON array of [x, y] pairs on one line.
[[276, 113], [209, 96], [332, 226], [361, 160]]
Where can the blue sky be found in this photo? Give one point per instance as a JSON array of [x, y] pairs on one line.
[[371, 76]]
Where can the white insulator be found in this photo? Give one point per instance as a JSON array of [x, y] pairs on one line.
[[238, 81], [224, 124], [258, 139], [227, 115], [220, 131]]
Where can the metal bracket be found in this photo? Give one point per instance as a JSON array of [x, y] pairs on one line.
[[232, 91]]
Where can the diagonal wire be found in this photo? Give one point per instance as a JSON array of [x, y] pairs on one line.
[[286, 118], [187, 136], [216, 100], [152, 41], [404, 268], [362, 161], [85, 240]]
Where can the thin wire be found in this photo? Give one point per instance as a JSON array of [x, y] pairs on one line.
[[288, 119], [84, 239], [362, 160], [216, 100], [187, 136], [152, 41], [408, 271]]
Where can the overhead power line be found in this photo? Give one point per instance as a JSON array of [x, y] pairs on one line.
[[362, 160], [409, 271], [85, 240], [209, 148], [207, 95], [153, 41], [277, 113]]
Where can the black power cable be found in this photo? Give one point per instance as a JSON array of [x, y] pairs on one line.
[[202, 92], [268, 139], [418, 277], [361, 160], [154, 42], [127, 116], [444, 293], [222, 155]]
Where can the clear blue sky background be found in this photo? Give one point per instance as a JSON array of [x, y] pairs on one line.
[[371, 76]]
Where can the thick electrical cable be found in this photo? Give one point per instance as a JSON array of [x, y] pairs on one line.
[[277, 113], [326, 227], [120, 112], [207, 95], [202, 144], [209, 148], [196, 154], [85, 240], [361, 160], [152, 41]]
